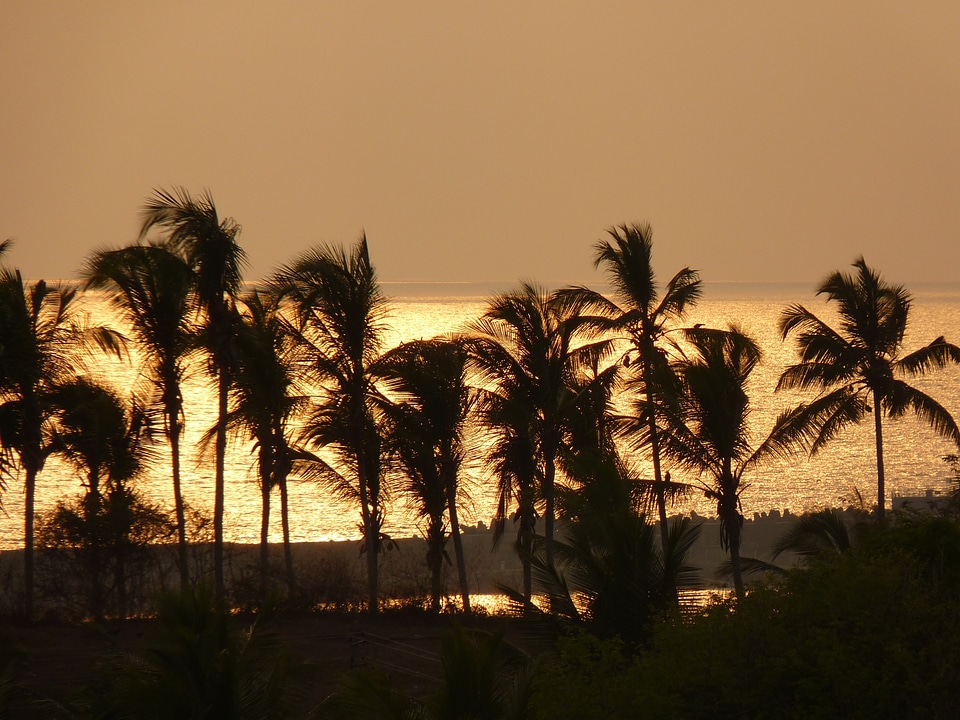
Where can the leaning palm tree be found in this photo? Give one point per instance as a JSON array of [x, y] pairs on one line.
[[639, 310], [150, 286], [861, 365], [527, 347], [427, 435], [266, 399], [709, 431], [340, 313], [41, 334], [211, 249]]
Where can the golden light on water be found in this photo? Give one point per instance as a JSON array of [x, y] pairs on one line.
[[913, 452]]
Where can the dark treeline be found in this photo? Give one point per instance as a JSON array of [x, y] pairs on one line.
[[561, 388]]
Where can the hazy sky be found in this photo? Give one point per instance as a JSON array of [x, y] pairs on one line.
[[493, 141]]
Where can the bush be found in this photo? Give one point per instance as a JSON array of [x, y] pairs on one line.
[[874, 633]]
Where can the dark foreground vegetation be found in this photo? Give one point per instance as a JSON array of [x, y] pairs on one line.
[[865, 630]]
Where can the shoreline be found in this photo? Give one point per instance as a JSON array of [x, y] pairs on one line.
[[332, 573]]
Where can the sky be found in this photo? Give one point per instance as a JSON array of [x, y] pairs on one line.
[[496, 141]]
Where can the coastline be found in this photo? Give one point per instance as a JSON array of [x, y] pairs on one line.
[[332, 573]]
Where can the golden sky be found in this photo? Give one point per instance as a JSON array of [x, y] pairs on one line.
[[494, 141]]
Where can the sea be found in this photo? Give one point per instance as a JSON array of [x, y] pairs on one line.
[[842, 472]]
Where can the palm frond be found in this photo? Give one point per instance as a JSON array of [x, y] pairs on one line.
[[817, 533], [936, 355]]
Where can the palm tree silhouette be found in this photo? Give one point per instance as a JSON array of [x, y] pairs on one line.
[[709, 430], [526, 349], [266, 399], [646, 317], [426, 434], [512, 460], [860, 366], [340, 313], [611, 574], [109, 443], [42, 336], [211, 249], [150, 285]]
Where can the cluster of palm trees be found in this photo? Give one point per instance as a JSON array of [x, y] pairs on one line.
[[564, 389]]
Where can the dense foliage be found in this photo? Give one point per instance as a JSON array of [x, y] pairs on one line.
[[871, 633]]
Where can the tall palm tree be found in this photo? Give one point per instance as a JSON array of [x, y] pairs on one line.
[[861, 364], [527, 347], [266, 399], [709, 432], [639, 310], [41, 334], [150, 286], [211, 249], [340, 313], [427, 428]]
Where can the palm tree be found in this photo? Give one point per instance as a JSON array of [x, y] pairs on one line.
[[611, 573], [646, 317], [861, 364], [527, 349], [512, 458], [211, 249], [709, 432], [266, 399], [340, 312], [825, 532], [40, 336], [427, 426], [150, 285], [106, 442]]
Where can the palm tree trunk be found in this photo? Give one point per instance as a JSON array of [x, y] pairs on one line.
[[373, 573], [731, 523], [881, 494], [661, 494], [660, 488], [370, 538], [264, 537], [121, 572], [287, 550], [458, 547], [30, 490], [182, 561], [735, 564], [549, 496], [435, 563], [526, 550], [92, 510], [218, 504]]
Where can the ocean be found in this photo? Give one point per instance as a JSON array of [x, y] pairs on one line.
[[912, 452]]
